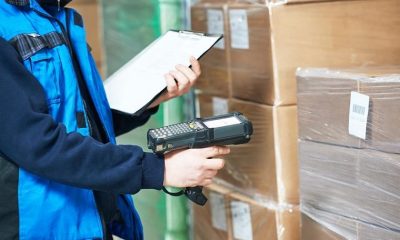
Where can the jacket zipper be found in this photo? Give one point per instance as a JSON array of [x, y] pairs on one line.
[[69, 46]]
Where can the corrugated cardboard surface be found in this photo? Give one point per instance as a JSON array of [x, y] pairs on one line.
[[355, 183], [324, 102], [321, 34], [215, 77]]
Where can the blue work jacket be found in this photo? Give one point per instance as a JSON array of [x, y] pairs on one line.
[[49, 164]]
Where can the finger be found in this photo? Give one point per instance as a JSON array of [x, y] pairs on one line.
[[171, 84], [215, 151], [195, 66], [214, 163], [206, 182], [183, 81], [189, 73]]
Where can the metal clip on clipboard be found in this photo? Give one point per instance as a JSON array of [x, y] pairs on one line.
[[190, 34]]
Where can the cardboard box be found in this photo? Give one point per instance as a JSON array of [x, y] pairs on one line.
[[317, 224], [91, 13], [324, 105], [269, 43], [253, 220], [312, 230], [354, 183], [215, 78], [211, 221], [267, 165], [209, 105]]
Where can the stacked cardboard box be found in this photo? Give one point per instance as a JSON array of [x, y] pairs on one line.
[[215, 79], [349, 150], [213, 221], [265, 43], [231, 215], [92, 17]]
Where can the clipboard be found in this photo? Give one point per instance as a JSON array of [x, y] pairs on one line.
[[139, 82]]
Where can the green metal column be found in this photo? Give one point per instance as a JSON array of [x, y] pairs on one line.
[[172, 17], [129, 26]]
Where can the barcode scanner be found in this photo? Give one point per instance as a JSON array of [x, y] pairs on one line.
[[227, 129]]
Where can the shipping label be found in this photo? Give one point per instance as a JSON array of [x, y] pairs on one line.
[[358, 115], [239, 29], [241, 221], [218, 216], [215, 25], [220, 106]]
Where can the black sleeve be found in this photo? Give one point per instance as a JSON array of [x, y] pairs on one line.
[[30, 138], [125, 122]]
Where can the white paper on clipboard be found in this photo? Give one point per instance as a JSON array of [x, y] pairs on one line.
[[137, 83]]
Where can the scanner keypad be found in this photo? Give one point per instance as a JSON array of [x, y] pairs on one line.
[[176, 129]]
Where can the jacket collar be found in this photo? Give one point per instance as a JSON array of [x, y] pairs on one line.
[[20, 3], [25, 3]]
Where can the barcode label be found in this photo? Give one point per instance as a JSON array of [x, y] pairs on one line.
[[239, 29], [358, 109], [215, 25], [358, 116], [241, 221], [218, 216], [220, 106]]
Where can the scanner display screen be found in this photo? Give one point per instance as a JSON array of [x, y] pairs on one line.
[[222, 122]]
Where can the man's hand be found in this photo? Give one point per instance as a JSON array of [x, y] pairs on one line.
[[193, 167], [179, 81]]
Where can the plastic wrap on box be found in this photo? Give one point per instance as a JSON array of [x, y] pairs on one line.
[[215, 78], [268, 42], [312, 230], [340, 227], [324, 106], [359, 184], [252, 220], [212, 221], [267, 165], [230, 215]]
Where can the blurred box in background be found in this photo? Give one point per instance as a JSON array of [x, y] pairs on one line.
[[262, 220], [215, 78], [209, 105], [211, 221], [92, 18]]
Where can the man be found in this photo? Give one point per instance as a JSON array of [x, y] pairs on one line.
[[61, 174]]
